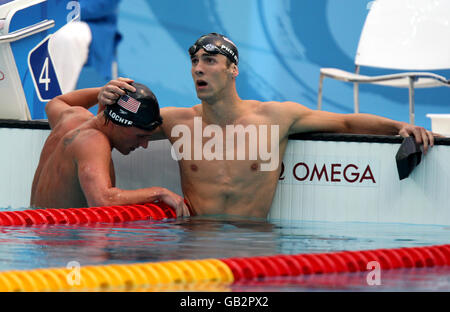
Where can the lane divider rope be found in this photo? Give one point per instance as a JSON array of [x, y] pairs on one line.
[[337, 262], [178, 275], [212, 274], [110, 214], [170, 275]]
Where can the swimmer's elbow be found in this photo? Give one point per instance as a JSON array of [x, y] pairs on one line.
[[55, 102], [107, 197], [97, 202], [346, 126], [49, 106], [54, 110], [342, 123]]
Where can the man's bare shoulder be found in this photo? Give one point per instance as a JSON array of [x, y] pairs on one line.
[[275, 108], [83, 140], [78, 110], [72, 118], [177, 113], [180, 111], [270, 105], [75, 112], [69, 121]]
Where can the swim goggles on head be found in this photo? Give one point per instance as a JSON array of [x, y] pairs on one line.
[[213, 49], [150, 126]]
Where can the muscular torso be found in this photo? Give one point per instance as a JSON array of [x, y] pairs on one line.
[[56, 184], [236, 187]]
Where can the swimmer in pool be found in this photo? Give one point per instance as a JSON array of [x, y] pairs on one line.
[[241, 187], [76, 169]]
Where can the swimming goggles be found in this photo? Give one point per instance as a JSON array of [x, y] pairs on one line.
[[212, 49]]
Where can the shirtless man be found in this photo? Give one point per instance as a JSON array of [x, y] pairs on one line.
[[240, 187], [75, 168]]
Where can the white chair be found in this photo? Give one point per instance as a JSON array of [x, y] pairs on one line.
[[411, 35]]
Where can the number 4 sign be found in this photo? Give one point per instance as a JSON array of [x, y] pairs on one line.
[[43, 72]]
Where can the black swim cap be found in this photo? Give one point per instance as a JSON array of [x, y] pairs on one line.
[[214, 43], [135, 109]]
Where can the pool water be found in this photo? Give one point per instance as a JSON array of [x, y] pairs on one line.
[[24, 248]]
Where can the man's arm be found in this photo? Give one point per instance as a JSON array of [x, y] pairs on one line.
[[93, 158], [64, 103], [307, 120]]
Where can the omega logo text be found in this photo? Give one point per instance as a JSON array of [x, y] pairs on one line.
[[328, 173]]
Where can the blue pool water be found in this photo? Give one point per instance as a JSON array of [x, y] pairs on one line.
[[222, 237]]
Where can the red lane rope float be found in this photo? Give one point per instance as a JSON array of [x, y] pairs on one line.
[[337, 262], [110, 214]]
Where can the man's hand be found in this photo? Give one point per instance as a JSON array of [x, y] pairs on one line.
[[114, 89], [175, 201], [421, 135]]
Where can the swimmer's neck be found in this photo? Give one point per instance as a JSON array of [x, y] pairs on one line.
[[98, 123], [223, 110]]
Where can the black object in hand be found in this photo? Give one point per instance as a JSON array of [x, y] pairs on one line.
[[408, 157]]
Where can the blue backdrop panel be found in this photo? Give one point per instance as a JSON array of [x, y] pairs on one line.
[[282, 45]]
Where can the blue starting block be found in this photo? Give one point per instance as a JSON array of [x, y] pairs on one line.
[[27, 75]]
